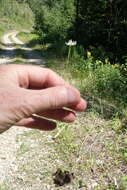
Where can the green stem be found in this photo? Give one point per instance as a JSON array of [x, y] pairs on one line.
[[69, 53]]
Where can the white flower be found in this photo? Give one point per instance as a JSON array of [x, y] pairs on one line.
[[71, 43]]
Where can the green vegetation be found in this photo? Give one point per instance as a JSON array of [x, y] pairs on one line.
[[4, 187], [95, 24], [15, 15], [32, 40]]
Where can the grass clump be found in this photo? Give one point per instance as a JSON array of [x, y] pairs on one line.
[[4, 187]]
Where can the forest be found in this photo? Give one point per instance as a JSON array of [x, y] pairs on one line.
[[99, 29], [99, 26]]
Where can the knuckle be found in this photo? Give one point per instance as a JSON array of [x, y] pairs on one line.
[[60, 97]]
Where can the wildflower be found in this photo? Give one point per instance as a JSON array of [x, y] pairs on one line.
[[88, 54], [71, 43]]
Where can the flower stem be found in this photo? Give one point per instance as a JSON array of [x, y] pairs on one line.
[[69, 53]]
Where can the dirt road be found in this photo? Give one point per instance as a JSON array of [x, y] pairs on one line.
[[8, 140], [9, 43]]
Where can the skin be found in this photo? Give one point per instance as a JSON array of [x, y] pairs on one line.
[[29, 93]]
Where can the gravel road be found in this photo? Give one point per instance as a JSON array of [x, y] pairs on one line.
[[9, 43]]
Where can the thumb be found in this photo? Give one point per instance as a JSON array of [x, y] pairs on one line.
[[51, 98]]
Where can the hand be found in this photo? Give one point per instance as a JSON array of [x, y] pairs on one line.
[[29, 90]]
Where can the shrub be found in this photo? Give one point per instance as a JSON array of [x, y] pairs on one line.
[[106, 80]]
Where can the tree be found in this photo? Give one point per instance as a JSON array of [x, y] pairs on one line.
[[53, 18], [97, 23]]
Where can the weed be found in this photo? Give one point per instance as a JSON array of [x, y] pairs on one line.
[[23, 148], [65, 143], [123, 183], [4, 187], [124, 152]]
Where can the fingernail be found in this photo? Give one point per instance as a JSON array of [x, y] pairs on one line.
[[81, 106], [73, 95]]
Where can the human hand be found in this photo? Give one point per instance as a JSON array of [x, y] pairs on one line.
[[27, 90]]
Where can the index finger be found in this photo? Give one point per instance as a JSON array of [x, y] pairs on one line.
[[38, 77]]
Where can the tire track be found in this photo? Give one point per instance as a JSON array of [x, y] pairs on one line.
[[9, 43]]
